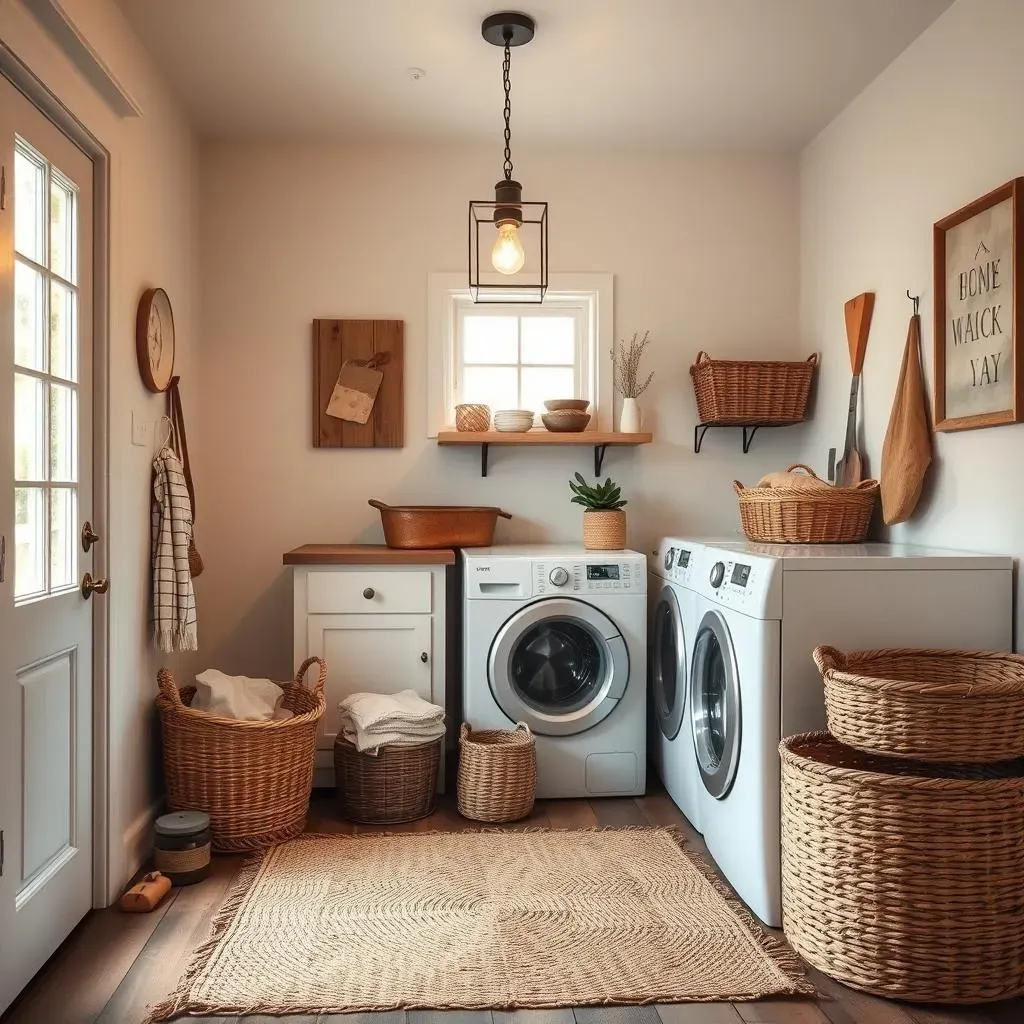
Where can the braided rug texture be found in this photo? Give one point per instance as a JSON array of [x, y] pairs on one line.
[[471, 920]]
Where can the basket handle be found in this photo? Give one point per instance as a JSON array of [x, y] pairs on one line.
[[738, 487], [464, 731], [801, 465], [702, 357], [828, 658], [300, 676], [525, 728], [169, 688], [813, 359], [504, 514], [866, 485]]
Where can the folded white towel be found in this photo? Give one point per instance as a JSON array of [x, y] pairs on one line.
[[238, 697], [374, 720]]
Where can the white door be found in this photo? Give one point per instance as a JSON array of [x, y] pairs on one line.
[[45, 496], [369, 654]]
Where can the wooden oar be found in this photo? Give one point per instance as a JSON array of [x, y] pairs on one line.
[[857, 312]]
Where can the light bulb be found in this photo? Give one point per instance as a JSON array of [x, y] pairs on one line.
[[507, 256]]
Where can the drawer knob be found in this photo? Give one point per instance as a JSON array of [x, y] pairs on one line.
[[368, 593], [423, 657]]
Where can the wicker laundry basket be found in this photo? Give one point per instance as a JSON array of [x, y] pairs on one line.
[[252, 778], [733, 391], [943, 706], [497, 773], [397, 784], [903, 879]]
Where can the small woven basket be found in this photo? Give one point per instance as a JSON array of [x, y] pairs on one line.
[[472, 418], [903, 879], [397, 784], [940, 706], [252, 778], [604, 530], [497, 773], [803, 515], [731, 391]]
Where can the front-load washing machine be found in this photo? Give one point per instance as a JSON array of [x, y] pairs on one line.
[[761, 610], [671, 628], [556, 637]]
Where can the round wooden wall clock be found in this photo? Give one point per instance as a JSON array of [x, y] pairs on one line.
[[154, 339]]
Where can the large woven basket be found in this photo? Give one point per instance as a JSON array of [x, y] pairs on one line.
[[731, 391], [497, 773], [803, 515], [942, 706], [397, 784], [903, 879], [252, 778]]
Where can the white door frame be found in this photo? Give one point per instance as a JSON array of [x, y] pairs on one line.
[[22, 78]]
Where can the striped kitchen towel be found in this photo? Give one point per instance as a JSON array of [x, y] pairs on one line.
[[174, 600]]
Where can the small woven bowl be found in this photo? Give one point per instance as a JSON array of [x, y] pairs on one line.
[[472, 418], [513, 420], [558, 404]]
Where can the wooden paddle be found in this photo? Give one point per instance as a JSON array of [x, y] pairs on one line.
[[857, 312]]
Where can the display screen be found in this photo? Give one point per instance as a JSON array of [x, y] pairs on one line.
[[684, 559], [740, 575], [602, 572]]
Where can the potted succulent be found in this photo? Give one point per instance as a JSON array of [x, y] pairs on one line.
[[604, 522]]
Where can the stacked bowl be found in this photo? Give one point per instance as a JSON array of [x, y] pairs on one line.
[[513, 421]]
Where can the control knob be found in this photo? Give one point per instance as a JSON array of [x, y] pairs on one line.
[[669, 557], [717, 574], [559, 576]]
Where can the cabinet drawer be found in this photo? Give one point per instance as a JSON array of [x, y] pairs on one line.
[[368, 592]]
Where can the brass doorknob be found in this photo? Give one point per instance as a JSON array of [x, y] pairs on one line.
[[89, 536], [91, 586]]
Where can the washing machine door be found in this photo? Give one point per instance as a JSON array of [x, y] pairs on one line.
[[668, 662], [560, 665], [715, 705]]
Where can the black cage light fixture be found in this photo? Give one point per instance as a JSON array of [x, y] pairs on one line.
[[511, 235]]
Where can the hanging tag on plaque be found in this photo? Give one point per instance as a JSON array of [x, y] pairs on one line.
[[356, 389]]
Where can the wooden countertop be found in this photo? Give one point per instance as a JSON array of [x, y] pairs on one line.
[[367, 554]]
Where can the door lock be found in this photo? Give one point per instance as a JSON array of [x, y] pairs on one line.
[[91, 586], [88, 536]]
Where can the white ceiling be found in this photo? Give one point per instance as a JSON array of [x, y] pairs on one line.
[[766, 74]]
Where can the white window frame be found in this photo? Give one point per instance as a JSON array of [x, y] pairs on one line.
[[586, 296]]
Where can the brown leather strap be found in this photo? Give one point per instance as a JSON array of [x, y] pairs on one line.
[[178, 422]]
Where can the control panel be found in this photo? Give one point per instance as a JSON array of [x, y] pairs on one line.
[[590, 577]]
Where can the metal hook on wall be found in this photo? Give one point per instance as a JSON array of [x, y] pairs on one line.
[[916, 300]]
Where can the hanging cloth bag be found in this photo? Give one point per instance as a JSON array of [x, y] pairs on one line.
[[907, 449], [195, 560]]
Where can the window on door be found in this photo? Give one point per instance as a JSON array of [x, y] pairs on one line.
[[45, 376]]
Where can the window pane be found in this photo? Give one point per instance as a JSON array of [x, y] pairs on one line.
[[63, 331], [63, 549], [496, 386], [542, 383], [29, 176], [489, 339], [62, 229], [29, 417], [549, 339], [63, 433], [29, 319], [29, 541]]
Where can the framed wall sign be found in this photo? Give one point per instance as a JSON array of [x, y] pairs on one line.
[[979, 312]]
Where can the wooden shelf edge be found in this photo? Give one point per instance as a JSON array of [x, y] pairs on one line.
[[542, 437]]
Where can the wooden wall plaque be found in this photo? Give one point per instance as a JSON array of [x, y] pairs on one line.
[[334, 342]]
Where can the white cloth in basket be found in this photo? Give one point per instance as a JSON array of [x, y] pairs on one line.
[[239, 697], [374, 720]]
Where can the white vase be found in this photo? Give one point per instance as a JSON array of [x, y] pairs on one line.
[[629, 417]]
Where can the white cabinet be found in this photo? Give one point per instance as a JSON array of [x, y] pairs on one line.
[[379, 628]]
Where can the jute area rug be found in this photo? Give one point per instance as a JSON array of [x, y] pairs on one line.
[[471, 920]]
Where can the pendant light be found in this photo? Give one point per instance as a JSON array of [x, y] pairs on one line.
[[508, 239]]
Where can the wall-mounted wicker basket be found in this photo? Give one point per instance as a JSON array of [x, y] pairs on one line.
[[733, 391]]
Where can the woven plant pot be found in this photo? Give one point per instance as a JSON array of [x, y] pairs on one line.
[[397, 784], [940, 706], [497, 773], [472, 418], [903, 879], [604, 530]]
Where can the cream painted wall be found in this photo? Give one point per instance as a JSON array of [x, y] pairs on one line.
[[940, 127], [704, 253], [154, 209]]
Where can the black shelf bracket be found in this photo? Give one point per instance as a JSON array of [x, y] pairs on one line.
[[599, 452], [483, 459], [749, 437], [749, 430]]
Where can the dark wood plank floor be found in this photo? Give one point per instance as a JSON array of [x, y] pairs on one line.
[[115, 965]]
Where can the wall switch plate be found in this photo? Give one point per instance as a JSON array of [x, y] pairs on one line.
[[142, 431]]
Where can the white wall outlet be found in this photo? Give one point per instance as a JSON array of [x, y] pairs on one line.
[[142, 430]]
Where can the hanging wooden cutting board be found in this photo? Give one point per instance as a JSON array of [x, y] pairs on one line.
[[857, 314]]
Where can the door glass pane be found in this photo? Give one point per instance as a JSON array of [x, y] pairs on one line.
[[496, 386], [63, 331], [29, 418], [666, 656], [62, 229], [29, 318], [549, 339], [542, 383], [63, 549], [29, 541], [29, 208], [713, 684], [489, 339], [557, 666], [63, 433]]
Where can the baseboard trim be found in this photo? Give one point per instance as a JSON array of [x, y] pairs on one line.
[[137, 840]]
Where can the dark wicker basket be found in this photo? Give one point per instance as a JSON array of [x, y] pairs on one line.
[[734, 391], [397, 784]]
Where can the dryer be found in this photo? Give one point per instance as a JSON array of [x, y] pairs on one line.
[[556, 637]]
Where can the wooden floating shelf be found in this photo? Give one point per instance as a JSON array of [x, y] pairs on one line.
[[599, 440]]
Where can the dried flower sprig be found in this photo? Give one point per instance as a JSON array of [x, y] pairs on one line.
[[627, 367]]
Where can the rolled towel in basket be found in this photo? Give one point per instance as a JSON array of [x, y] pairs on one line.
[[374, 720]]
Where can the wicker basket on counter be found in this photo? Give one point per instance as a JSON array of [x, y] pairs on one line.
[[929, 705], [733, 391], [903, 879], [803, 515], [497, 773], [397, 784]]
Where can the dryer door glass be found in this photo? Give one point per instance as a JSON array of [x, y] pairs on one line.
[[668, 663], [557, 666], [715, 706]]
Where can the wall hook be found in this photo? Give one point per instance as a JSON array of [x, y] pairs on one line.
[[916, 300]]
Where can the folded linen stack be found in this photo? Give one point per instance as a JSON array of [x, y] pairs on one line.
[[370, 721]]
